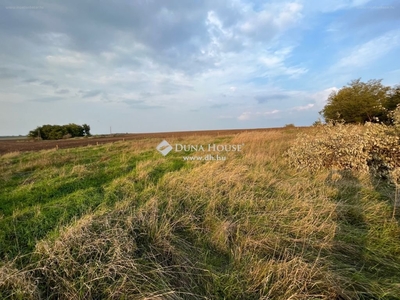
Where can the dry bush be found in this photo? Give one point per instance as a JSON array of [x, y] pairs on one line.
[[373, 148]]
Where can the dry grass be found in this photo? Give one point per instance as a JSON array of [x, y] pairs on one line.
[[10, 155], [17, 284], [245, 228]]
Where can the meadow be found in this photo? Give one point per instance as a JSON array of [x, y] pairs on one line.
[[121, 221]]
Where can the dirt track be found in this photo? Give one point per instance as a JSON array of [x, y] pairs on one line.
[[29, 145]]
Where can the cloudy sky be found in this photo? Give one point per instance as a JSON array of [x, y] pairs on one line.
[[171, 65]]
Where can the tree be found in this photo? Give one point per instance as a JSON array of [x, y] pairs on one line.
[[56, 132], [86, 129], [35, 133], [74, 129], [394, 98], [360, 102]]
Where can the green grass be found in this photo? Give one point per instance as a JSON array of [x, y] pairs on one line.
[[120, 221], [44, 190]]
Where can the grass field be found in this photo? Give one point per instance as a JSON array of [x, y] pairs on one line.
[[121, 221]]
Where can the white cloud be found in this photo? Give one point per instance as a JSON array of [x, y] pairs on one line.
[[321, 97], [271, 61], [369, 52], [243, 55], [275, 63], [289, 15], [273, 18], [253, 115], [334, 5], [71, 59], [245, 116], [213, 20], [304, 107]]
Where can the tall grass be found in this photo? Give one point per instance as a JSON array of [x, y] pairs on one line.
[[120, 221]]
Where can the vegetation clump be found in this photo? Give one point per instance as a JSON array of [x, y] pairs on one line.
[[56, 132], [372, 147], [361, 102]]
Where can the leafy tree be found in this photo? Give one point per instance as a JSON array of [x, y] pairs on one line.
[[86, 129], [55, 132], [360, 102], [35, 133], [394, 99], [46, 132], [74, 129]]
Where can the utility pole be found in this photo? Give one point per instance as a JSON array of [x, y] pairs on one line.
[[110, 129]]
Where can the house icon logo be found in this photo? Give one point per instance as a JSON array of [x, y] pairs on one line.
[[164, 147]]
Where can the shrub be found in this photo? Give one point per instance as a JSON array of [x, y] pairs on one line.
[[373, 148], [317, 123]]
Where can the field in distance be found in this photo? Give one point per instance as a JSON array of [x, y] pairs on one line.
[[121, 221], [13, 138], [20, 143]]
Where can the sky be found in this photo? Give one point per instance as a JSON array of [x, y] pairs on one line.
[[179, 65]]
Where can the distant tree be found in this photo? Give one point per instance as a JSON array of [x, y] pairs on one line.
[[360, 102], [74, 129], [55, 132], [86, 129], [35, 133], [45, 132]]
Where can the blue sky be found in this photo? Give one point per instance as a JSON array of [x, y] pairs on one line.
[[152, 65]]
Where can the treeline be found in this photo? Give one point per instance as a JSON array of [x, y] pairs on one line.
[[56, 132]]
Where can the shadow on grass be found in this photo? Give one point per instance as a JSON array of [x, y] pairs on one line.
[[387, 192], [348, 252], [352, 229], [354, 255]]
